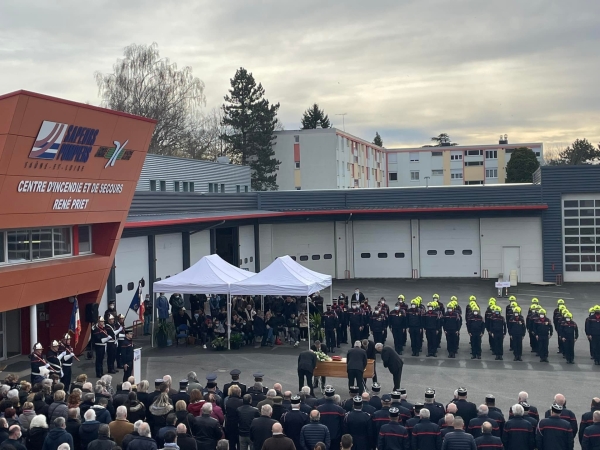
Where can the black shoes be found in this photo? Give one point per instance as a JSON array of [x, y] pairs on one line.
[[473, 357]]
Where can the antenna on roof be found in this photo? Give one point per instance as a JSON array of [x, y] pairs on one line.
[[343, 121]]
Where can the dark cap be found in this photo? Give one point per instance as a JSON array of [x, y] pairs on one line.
[[394, 412], [556, 408], [128, 330], [357, 400], [402, 391], [211, 377], [396, 395], [329, 391], [490, 398], [418, 406], [258, 376], [525, 406], [295, 400], [158, 382], [461, 391], [183, 384], [235, 372], [354, 389], [386, 398], [429, 393], [376, 387]]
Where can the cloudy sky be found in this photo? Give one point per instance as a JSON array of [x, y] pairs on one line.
[[408, 69]]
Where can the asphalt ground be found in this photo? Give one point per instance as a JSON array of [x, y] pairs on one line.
[[505, 379]]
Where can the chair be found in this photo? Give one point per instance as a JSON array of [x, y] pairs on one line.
[[183, 332]]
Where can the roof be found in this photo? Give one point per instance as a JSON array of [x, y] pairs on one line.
[[464, 147], [78, 104]]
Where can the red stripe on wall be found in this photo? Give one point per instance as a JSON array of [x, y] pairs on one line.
[[296, 152]]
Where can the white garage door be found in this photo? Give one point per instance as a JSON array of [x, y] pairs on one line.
[[449, 248], [169, 255], [199, 246], [382, 249], [246, 243], [311, 244], [131, 265]]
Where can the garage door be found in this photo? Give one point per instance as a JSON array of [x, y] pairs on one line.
[[131, 265], [169, 255], [449, 248], [311, 244], [246, 243], [382, 249]]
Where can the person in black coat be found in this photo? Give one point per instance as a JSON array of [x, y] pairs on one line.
[[356, 362], [392, 361], [206, 429], [293, 421], [369, 347], [426, 434], [185, 441], [307, 361], [554, 433], [519, 434], [245, 415], [261, 427], [234, 401], [591, 434], [359, 425], [465, 409]]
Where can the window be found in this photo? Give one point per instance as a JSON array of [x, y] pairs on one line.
[[191, 186], [473, 182], [245, 260], [176, 186], [449, 252], [153, 185], [491, 154], [456, 157], [41, 243], [432, 252], [393, 176], [252, 259], [537, 154], [1, 247], [85, 239], [163, 186], [186, 186], [474, 152], [571, 204], [392, 158], [237, 188], [62, 241], [414, 175], [210, 187], [467, 252], [296, 138], [437, 173], [245, 188], [437, 153], [297, 164], [119, 288], [474, 163], [293, 257], [365, 255], [298, 188], [303, 258], [315, 257], [398, 255], [456, 175], [327, 256], [222, 189], [382, 255], [130, 286], [414, 156], [491, 173]]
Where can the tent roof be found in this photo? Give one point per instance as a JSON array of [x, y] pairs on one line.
[[284, 276], [210, 275]]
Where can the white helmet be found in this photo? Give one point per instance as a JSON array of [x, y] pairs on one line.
[[38, 346], [67, 336], [110, 316], [54, 344]]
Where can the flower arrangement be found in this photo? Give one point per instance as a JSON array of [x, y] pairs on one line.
[[322, 356]]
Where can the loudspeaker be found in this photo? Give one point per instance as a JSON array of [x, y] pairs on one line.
[[91, 312]]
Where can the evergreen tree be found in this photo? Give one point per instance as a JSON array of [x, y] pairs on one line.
[[579, 152], [521, 166], [378, 141], [251, 121], [314, 117], [443, 140]]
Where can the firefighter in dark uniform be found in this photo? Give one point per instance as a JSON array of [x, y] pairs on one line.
[[384, 310], [358, 424], [355, 320], [126, 346], [397, 323], [378, 325], [543, 333], [39, 366], [330, 322], [439, 307], [516, 330], [510, 312], [111, 344], [54, 360], [476, 330], [392, 435], [498, 331], [436, 409], [66, 356], [99, 338], [111, 311], [342, 330], [375, 400], [410, 423], [489, 312], [332, 416], [366, 310], [452, 325], [258, 378], [415, 326], [120, 332], [554, 433], [235, 381], [433, 327], [532, 318], [557, 317], [569, 335], [592, 331]]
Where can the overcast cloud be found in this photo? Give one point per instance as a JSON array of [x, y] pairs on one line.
[[408, 69]]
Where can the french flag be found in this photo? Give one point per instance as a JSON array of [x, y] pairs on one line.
[[75, 324]]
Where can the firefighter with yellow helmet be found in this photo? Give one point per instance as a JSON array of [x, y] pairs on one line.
[[543, 333], [517, 330], [497, 331], [558, 320], [569, 334], [530, 322], [452, 323], [415, 326], [489, 312], [476, 329]]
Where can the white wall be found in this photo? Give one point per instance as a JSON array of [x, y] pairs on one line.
[[265, 236], [523, 232], [199, 246], [169, 255], [342, 255], [131, 264], [246, 246]]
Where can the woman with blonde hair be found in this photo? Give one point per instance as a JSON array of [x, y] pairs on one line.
[[157, 414]]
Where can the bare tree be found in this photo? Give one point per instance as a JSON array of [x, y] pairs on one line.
[[147, 85]]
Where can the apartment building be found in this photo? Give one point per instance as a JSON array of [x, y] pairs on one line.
[[327, 159], [452, 165]]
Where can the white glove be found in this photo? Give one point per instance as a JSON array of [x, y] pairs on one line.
[[62, 355], [68, 357], [103, 340]]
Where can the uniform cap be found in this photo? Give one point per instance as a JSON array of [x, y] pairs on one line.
[[453, 298], [110, 316], [329, 391], [235, 372], [295, 400], [569, 315], [490, 398], [211, 379], [461, 391], [556, 408], [542, 311], [54, 344], [101, 319], [354, 389], [429, 393], [436, 296], [38, 346], [376, 387], [512, 298], [525, 406], [121, 316], [394, 412], [472, 298], [67, 336], [517, 309], [158, 382], [183, 384], [492, 301], [258, 376], [419, 406], [386, 398], [357, 400], [396, 395], [401, 297]]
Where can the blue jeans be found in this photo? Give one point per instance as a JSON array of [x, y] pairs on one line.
[[147, 322], [268, 336]]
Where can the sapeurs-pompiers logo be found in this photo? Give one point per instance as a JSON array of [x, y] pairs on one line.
[[71, 143]]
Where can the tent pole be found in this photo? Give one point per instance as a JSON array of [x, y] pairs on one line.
[[262, 303], [308, 316], [228, 321], [331, 294], [153, 319]]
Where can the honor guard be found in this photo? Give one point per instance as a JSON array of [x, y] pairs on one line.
[[342, 329], [330, 323], [543, 333], [433, 327], [497, 330], [39, 366], [126, 349], [182, 394], [258, 378], [569, 334], [489, 312], [120, 332], [357, 423], [54, 360], [111, 345], [100, 337], [436, 409], [397, 323], [415, 327], [516, 330], [393, 435], [476, 330], [530, 323], [235, 381], [366, 310], [378, 326], [66, 354], [452, 322], [356, 322], [332, 416]]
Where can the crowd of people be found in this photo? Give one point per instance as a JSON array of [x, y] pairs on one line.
[[189, 416]]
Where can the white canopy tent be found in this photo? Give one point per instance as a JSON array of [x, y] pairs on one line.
[[210, 275], [284, 276]]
